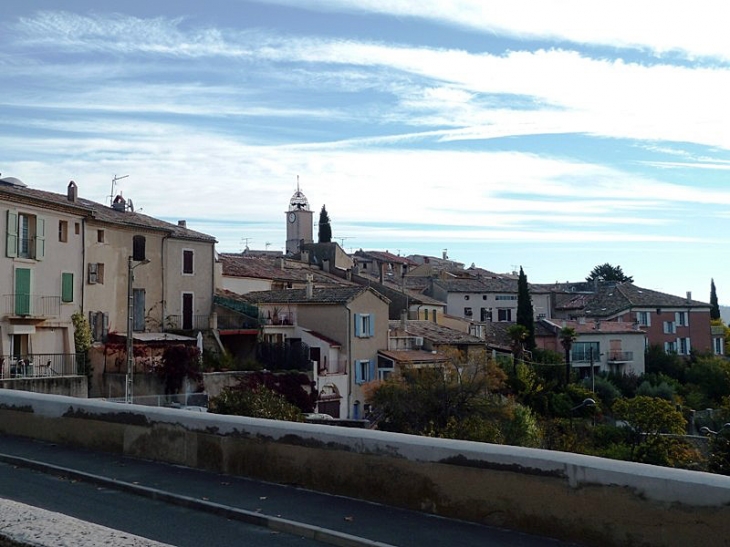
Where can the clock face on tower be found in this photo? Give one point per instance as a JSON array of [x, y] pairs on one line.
[[292, 217]]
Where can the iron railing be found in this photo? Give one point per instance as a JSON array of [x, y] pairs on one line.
[[31, 305], [620, 356], [41, 365], [190, 322]]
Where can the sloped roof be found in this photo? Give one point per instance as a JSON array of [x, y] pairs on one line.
[[485, 285], [385, 256], [594, 327], [413, 357], [437, 334], [274, 268], [613, 299], [98, 211], [320, 295]]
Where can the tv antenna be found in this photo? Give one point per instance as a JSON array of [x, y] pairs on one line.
[[114, 183], [245, 241], [342, 240]]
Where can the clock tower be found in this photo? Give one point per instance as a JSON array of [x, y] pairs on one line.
[[298, 222]]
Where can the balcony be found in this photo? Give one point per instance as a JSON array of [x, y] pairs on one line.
[[31, 306], [40, 365], [618, 357], [190, 322]]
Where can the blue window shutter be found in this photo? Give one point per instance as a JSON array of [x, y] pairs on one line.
[[11, 241], [358, 325], [371, 370], [358, 372], [40, 238], [372, 325]]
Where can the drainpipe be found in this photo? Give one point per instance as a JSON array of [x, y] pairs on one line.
[[163, 262], [349, 360]]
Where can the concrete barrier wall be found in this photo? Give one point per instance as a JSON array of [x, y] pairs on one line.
[[590, 500]]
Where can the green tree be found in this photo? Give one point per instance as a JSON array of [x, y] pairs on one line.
[[714, 305], [648, 419], [525, 314], [82, 341], [517, 335], [257, 402], [448, 401], [324, 232], [607, 272], [567, 336], [179, 362]]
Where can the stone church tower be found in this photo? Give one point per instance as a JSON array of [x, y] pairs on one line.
[[299, 222]]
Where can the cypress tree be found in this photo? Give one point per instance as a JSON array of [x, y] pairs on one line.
[[324, 233], [525, 314], [714, 306]]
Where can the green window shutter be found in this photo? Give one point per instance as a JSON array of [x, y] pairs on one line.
[[11, 239], [40, 238], [67, 287], [22, 291]]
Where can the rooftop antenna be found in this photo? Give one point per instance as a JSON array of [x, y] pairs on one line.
[[297, 184], [267, 245], [245, 241], [114, 182], [342, 240]]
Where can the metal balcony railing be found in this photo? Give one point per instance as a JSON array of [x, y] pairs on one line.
[[190, 322], [31, 305], [620, 356], [41, 365]]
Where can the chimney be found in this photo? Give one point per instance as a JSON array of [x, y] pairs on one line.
[[310, 288], [182, 223], [72, 192], [689, 296], [403, 319]]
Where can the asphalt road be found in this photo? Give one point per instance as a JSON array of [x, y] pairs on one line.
[[101, 503]]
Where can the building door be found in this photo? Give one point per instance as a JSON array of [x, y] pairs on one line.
[[187, 311], [138, 310], [22, 291]]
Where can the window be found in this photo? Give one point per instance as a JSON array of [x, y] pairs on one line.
[[187, 266], [364, 371], [484, 297], [63, 231], [96, 273], [506, 297], [644, 318], [683, 346], [100, 236], [504, 314], [485, 314], [364, 325], [581, 352], [425, 314], [138, 248], [99, 324], [77, 228], [466, 297], [681, 318], [385, 369], [718, 346], [67, 287], [670, 347], [467, 312], [669, 327], [25, 236]]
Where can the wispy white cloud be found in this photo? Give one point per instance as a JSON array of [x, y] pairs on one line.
[[658, 26]]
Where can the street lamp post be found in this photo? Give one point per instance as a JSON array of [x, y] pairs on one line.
[[129, 380], [585, 403]]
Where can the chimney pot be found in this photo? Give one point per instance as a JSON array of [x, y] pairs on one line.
[[182, 223]]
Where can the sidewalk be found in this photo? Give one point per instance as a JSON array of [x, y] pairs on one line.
[[372, 522]]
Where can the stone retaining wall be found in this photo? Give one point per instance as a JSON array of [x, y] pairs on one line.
[[590, 500]]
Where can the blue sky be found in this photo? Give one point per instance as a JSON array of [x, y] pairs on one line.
[[550, 135]]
